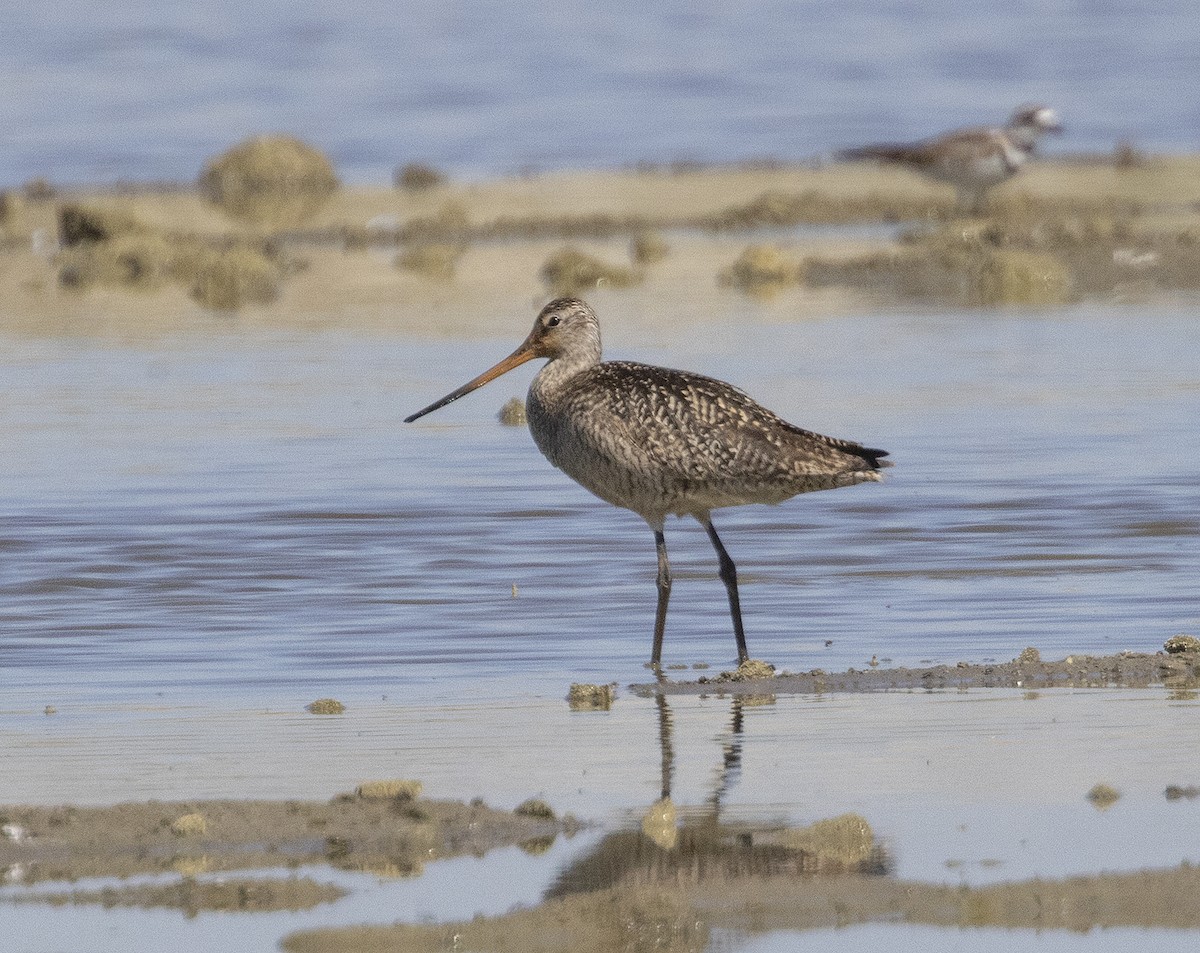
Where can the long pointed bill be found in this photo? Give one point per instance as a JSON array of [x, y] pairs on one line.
[[526, 352]]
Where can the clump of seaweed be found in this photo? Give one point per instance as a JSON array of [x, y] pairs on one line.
[[418, 177], [436, 260], [761, 270], [396, 789], [779, 209], [835, 844], [225, 279], [109, 246], [189, 825], [536, 808], [980, 276], [648, 248], [10, 209], [83, 224], [1103, 796], [275, 181], [325, 706], [585, 697], [512, 414], [570, 270]]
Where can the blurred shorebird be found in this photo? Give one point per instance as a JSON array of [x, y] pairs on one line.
[[661, 442], [972, 160]]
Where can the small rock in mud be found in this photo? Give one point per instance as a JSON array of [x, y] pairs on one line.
[[1176, 792], [394, 790], [512, 414], [584, 697], [1103, 796], [534, 807], [1177, 644], [325, 706]]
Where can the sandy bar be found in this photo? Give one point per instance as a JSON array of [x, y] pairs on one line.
[[339, 268]]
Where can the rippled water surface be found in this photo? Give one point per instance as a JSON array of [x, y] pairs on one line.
[[227, 511], [205, 529], [139, 90]]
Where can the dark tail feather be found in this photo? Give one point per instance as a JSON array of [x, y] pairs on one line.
[[873, 457]]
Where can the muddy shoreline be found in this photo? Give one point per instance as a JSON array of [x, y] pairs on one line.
[[383, 836], [799, 239], [1178, 671]]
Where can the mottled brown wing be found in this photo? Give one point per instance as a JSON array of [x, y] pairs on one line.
[[696, 429]]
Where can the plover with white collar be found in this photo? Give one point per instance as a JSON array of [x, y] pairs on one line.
[[972, 160]]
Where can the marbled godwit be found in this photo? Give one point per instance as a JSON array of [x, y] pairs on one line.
[[661, 442], [972, 160]]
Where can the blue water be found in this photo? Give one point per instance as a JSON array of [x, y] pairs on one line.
[[232, 510], [133, 89]]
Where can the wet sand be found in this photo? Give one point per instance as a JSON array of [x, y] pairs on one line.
[[679, 874], [385, 836], [836, 238]]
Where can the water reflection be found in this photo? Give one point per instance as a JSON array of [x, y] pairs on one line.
[[668, 850]]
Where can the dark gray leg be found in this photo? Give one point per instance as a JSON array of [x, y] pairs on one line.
[[664, 593], [729, 577]]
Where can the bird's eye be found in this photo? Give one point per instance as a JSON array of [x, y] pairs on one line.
[[553, 322]]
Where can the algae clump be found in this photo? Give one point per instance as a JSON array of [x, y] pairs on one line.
[[394, 790], [761, 270], [189, 825], [325, 706], [845, 842], [435, 260], [569, 270], [583, 697], [648, 248], [512, 414], [534, 807], [660, 823], [1103, 796], [1016, 277], [225, 279], [269, 180], [1178, 644]]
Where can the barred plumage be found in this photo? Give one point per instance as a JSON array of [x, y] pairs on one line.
[[659, 442]]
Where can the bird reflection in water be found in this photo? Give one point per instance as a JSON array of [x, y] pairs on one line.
[[689, 846]]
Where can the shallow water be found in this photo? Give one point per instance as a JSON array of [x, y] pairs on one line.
[[205, 529], [232, 513], [136, 90], [963, 788]]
